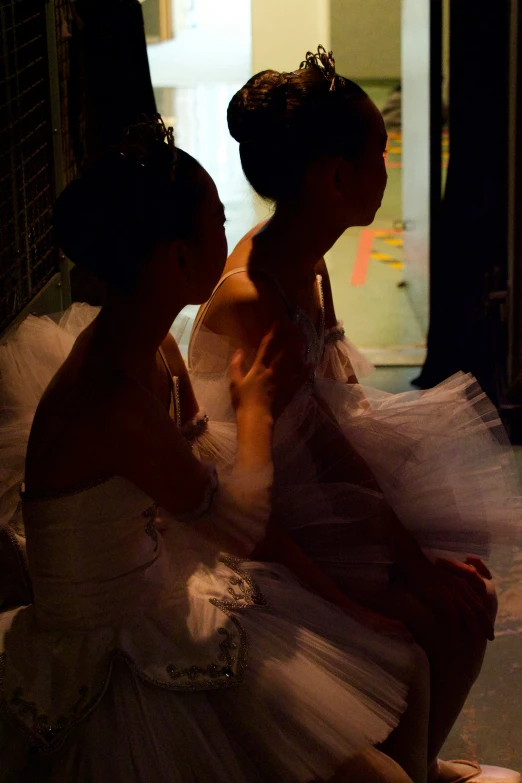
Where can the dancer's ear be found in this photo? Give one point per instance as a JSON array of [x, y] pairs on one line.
[[183, 264], [175, 254], [182, 255], [332, 176], [171, 260], [344, 174]]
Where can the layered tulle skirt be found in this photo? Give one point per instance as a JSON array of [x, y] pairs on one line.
[[439, 458], [309, 686], [311, 689], [318, 687]]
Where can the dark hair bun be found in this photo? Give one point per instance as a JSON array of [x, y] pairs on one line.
[[259, 108], [283, 121], [150, 144], [98, 220], [141, 192]]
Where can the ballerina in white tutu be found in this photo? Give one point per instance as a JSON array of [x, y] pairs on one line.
[[124, 666], [364, 481]]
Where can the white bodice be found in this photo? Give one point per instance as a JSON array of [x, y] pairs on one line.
[[91, 553]]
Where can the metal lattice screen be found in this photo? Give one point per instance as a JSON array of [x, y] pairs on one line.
[[28, 256], [70, 68]]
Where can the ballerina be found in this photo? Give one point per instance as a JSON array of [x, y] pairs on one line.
[[124, 666], [395, 497]]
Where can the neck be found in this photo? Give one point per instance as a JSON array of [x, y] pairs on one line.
[[131, 328], [295, 239]]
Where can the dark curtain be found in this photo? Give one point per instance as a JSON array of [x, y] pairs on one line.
[[110, 79], [109, 87], [468, 268]]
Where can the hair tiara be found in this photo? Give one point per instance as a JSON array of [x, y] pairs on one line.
[[140, 139], [325, 63]]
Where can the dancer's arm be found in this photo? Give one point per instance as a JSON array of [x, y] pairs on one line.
[[141, 443]]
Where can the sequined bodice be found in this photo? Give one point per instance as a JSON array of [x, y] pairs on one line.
[[314, 338], [90, 553]]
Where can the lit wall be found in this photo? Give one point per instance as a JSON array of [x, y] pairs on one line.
[[366, 38], [284, 30]]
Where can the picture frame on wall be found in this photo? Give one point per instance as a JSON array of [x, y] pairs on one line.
[[158, 19]]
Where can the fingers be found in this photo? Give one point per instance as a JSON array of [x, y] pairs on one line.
[[265, 347], [465, 571], [281, 351], [482, 569], [470, 592], [277, 361], [236, 368], [475, 625], [469, 609], [465, 611]]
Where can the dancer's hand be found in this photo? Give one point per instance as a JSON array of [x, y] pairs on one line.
[[458, 605], [274, 377], [252, 390], [472, 570], [479, 566]]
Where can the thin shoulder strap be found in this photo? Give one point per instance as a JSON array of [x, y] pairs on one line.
[[165, 362], [174, 407], [204, 308]]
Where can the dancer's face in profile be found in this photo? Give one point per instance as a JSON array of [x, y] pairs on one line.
[[204, 251], [369, 169], [356, 186]]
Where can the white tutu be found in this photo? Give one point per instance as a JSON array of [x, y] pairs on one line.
[[28, 361], [441, 458], [314, 688], [124, 667], [341, 359]]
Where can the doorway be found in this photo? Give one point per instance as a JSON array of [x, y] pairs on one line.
[[380, 272], [380, 295]]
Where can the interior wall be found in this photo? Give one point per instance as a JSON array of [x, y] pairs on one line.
[[150, 10], [416, 171], [445, 50], [366, 38], [284, 30], [179, 15]]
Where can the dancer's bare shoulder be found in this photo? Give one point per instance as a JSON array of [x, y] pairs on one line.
[[250, 235], [244, 310]]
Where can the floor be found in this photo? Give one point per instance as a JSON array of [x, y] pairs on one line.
[[365, 266], [366, 272], [489, 728]]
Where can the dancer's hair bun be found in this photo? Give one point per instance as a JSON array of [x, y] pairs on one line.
[[136, 194], [283, 121], [259, 108]]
